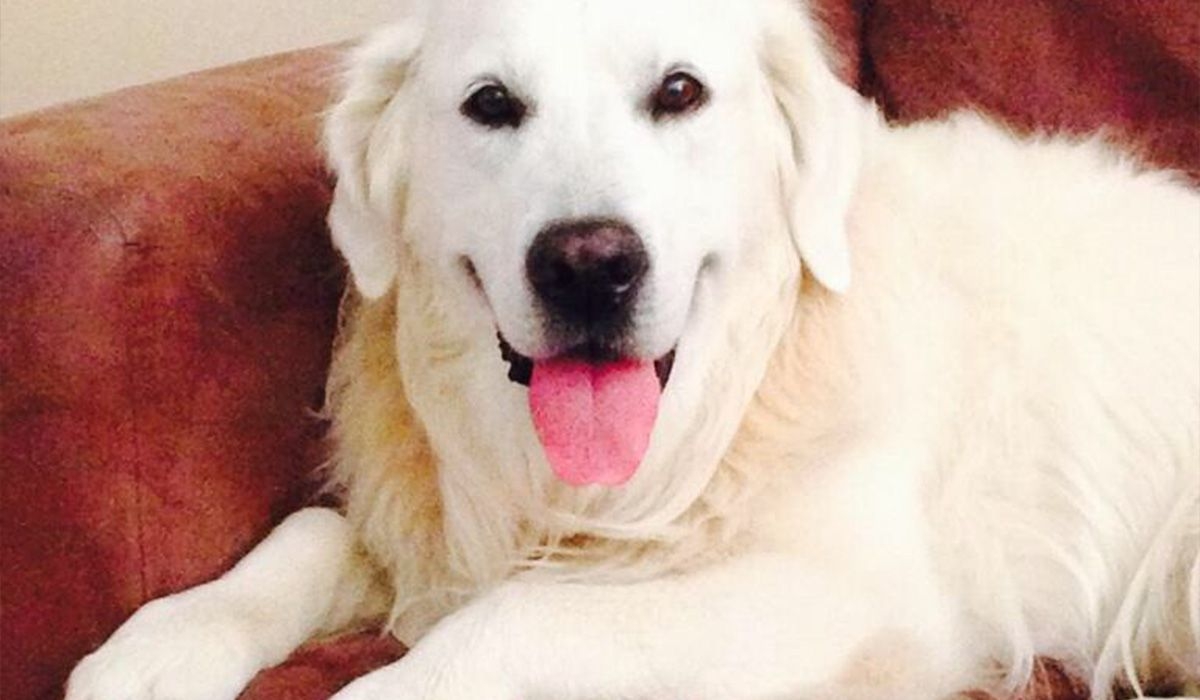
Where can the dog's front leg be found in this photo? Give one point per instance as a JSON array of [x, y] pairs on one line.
[[762, 627], [206, 643]]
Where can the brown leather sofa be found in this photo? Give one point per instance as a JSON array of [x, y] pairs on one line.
[[168, 296]]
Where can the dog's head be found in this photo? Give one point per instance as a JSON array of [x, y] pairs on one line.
[[613, 193]]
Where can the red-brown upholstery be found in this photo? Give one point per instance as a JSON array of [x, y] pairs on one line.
[[319, 669], [168, 296], [1131, 67], [167, 299]]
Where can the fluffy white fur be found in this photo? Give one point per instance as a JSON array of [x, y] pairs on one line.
[[936, 408]]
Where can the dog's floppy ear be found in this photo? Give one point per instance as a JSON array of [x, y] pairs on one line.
[[364, 144], [826, 123]]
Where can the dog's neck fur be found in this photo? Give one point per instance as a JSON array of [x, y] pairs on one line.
[[448, 503]]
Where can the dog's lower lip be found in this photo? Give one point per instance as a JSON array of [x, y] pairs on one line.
[[663, 367], [520, 367]]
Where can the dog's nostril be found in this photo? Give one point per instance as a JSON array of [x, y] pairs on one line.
[[560, 274], [586, 271], [621, 271]]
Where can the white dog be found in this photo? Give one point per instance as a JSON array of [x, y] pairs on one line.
[[816, 408]]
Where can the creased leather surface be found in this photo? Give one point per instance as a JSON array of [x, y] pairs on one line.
[[167, 297], [167, 300]]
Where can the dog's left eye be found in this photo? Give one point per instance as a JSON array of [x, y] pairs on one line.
[[493, 106], [679, 92]]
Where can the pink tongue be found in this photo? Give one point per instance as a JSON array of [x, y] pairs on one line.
[[594, 421]]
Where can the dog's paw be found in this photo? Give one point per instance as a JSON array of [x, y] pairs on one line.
[[416, 681], [458, 660], [189, 646]]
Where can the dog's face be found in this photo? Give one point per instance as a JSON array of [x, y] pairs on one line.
[[583, 165], [592, 182]]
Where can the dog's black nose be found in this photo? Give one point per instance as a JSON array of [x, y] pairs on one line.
[[587, 272]]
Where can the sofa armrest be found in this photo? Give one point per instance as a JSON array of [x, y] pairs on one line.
[[167, 301]]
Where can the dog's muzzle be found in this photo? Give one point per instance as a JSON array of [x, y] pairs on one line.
[[593, 402]]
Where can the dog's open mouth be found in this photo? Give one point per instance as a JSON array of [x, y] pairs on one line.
[[520, 368], [593, 412]]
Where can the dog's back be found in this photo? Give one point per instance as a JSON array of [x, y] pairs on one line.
[[1050, 300]]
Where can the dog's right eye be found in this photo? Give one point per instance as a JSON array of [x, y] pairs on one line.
[[493, 107], [678, 94]]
